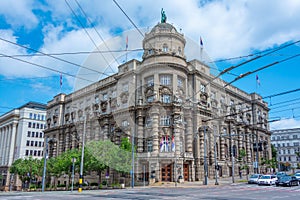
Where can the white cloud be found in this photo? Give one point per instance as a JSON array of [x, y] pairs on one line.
[[228, 28], [285, 124]]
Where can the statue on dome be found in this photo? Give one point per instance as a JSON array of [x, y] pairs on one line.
[[163, 16]]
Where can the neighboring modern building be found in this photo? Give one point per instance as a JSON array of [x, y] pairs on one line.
[[287, 144], [169, 103], [21, 135]]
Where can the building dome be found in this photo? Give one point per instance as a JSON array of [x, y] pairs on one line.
[[163, 27], [163, 39]]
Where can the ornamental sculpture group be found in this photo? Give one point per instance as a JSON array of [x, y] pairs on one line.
[[163, 16]]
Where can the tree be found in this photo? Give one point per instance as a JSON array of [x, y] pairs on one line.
[[27, 169]]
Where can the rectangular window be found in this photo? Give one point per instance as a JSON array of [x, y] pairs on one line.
[[29, 124], [150, 99], [149, 146], [26, 153], [32, 134], [165, 80], [28, 134], [31, 152], [33, 125], [165, 98], [38, 116], [37, 134], [296, 144], [35, 143], [37, 125], [35, 152], [30, 115], [40, 144], [294, 136], [179, 82], [202, 88], [27, 143], [39, 153], [150, 81], [34, 116], [32, 143], [105, 96], [41, 135], [165, 120]]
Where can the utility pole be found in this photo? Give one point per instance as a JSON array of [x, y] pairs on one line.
[[45, 165], [205, 158], [253, 133], [215, 155], [232, 155], [82, 156]]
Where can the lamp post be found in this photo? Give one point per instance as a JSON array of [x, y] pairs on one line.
[[45, 165], [205, 157], [215, 155], [82, 156]]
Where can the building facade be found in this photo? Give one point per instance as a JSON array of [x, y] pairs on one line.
[[287, 144], [179, 116], [21, 135]]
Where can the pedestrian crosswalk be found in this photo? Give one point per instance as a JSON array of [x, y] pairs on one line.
[[261, 188]]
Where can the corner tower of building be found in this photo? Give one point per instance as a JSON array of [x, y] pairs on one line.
[[164, 40]]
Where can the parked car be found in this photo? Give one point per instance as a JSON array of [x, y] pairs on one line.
[[279, 174], [297, 175], [254, 178], [287, 181], [267, 180]]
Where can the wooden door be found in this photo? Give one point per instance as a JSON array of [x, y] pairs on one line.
[[186, 172], [166, 173]]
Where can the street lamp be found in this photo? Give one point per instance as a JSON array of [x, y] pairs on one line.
[[215, 155]]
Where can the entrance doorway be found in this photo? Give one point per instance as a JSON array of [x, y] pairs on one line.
[[166, 172], [186, 172]]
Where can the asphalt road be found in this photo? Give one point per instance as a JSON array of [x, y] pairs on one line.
[[223, 192]]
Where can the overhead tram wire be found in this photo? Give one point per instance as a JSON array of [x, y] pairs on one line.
[[261, 68], [48, 68], [245, 62], [51, 56], [88, 19], [87, 33], [129, 19]]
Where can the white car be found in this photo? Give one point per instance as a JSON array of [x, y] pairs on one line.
[[254, 178], [267, 180], [297, 175]]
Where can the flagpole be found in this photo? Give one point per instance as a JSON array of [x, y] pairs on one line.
[[201, 49]]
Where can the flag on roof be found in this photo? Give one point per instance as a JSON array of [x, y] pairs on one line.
[[201, 42], [60, 80], [257, 80]]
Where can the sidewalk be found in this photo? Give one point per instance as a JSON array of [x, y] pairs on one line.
[[210, 182]]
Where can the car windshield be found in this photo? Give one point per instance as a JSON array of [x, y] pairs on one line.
[[254, 176], [265, 177], [297, 174], [285, 178]]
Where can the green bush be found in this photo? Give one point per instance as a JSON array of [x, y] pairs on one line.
[[61, 185]]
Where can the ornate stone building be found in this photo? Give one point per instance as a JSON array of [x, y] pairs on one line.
[[165, 105]]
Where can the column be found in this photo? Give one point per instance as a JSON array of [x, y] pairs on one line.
[[12, 143], [140, 134], [155, 124], [1, 144], [97, 132], [189, 134], [5, 157]]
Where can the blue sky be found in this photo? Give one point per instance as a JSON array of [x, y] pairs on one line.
[[228, 28]]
